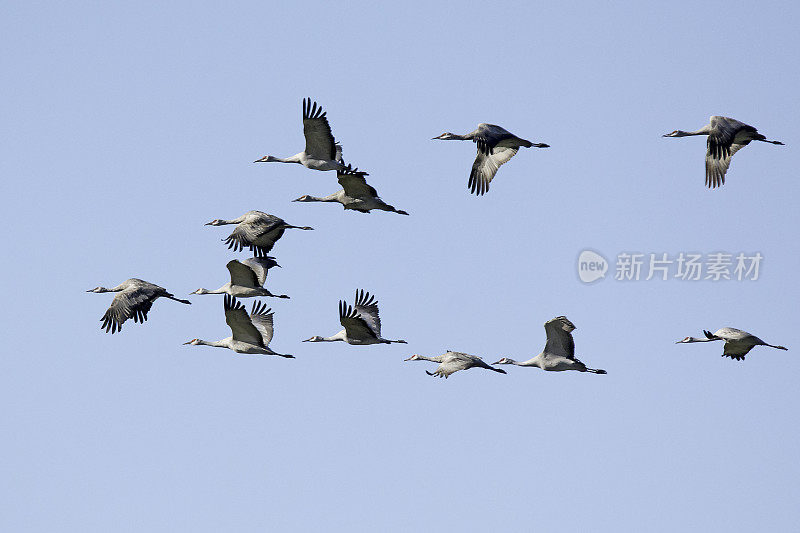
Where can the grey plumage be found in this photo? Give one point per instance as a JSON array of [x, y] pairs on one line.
[[251, 333], [134, 300], [322, 151], [361, 322], [738, 343], [255, 230], [452, 361], [559, 350], [496, 146], [356, 194], [726, 136]]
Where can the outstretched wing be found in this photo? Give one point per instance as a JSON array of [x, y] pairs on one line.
[[134, 302], [485, 167], [367, 307], [261, 266], [261, 317], [721, 146], [320, 143], [354, 323], [354, 184], [259, 234], [736, 350], [488, 136], [242, 275], [559, 337], [239, 321]]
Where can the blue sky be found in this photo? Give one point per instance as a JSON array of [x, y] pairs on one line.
[[129, 127]]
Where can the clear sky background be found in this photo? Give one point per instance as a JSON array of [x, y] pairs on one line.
[[126, 128]]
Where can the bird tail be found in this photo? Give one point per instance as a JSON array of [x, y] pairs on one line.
[[498, 370], [778, 347], [596, 371], [171, 297]]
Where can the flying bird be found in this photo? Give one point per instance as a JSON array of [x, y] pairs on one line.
[[255, 230], [134, 301], [559, 350], [726, 136], [495, 147], [251, 333], [356, 195], [737, 342], [247, 278], [362, 324], [322, 151], [451, 361]]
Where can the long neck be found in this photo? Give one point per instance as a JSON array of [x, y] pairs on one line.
[[296, 158], [695, 339], [329, 198], [705, 130], [216, 344], [338, 337], [221, 290], [434, 359], [232, 221]]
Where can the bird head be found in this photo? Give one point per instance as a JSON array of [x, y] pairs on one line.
[[304, 198], [315, 338], [504, 361], [98, 289], [195, 342], [685, 339], [215, 222], [414, 357], [676, 133], [265, 159], [446, 136], [200, 291]]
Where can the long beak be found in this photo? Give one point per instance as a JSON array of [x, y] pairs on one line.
[[190, 342], [497, 362], [207, 224], [262, 160], [409, 359]]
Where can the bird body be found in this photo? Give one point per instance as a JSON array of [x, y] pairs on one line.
[[322, 151], [251, 333], [451, 362], [356, 194], [247, 278], [496, 146], [726, 136], [361, 321], [737, 342], [559, 350], [134, 300], [256, 230]]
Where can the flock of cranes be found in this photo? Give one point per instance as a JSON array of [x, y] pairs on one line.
[[251, 333]]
